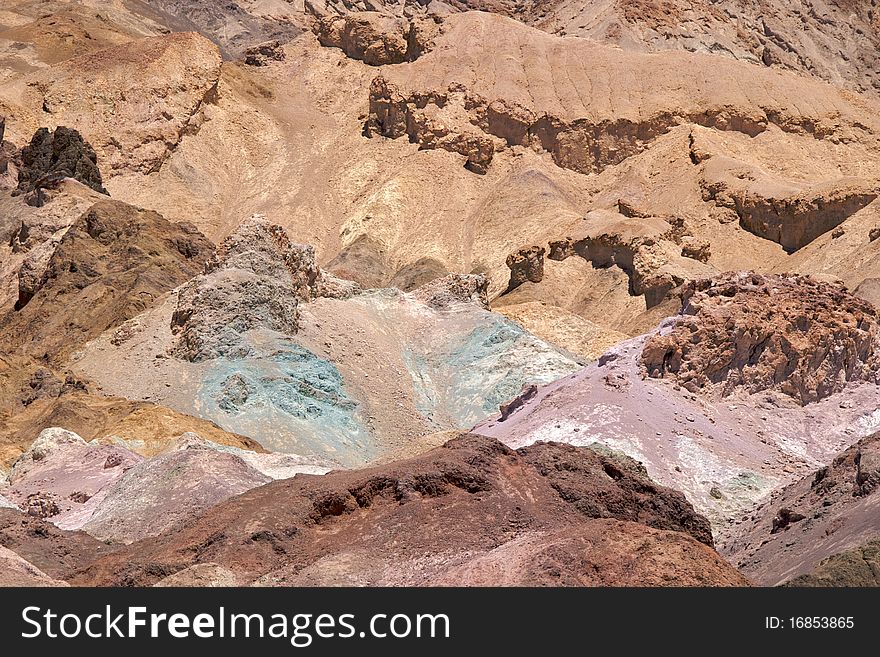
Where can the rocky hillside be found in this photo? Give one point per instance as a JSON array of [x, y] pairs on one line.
[[760, 381], [833, 40], [236, 27], [721, 190], [533, 516], [457, 292], [821, 530], [267, 345], [75, 280], [117, 495], [110, 264]]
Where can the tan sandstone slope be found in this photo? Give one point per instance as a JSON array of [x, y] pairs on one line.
[[728, 166]]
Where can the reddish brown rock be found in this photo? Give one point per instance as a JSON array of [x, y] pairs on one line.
[[698, 250], [751, 332], [601, 553], [567, 515], [112, 263], [15, 571], [54, 551]]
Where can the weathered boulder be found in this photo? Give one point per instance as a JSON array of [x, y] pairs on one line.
[[454, 289], [265, 53], [377, 38], [697, 249], [264, 248], [422, 118], [369, 36], [214, 311]]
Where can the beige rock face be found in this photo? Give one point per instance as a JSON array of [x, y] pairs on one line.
[[775, 209], [394, 114], [749, 332], [563, 328], [133, 102], [369, 36], [642, 247], [522, 105], [286, 140]]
